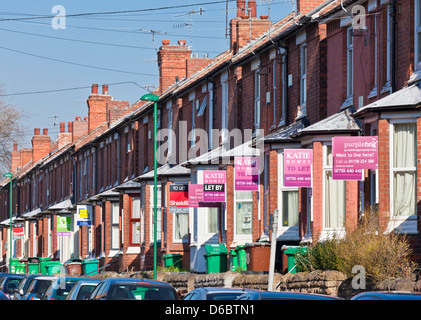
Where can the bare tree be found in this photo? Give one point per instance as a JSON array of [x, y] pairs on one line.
[[11, 130]]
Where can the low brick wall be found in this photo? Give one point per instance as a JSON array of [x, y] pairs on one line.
[[332, 283]]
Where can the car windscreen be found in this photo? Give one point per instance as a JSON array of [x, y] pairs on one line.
[[41, 286], [223, 295], [140, 291]]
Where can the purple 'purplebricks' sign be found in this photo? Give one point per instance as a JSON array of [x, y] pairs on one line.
[[246, 173], [214, 185], [353, 154], [297, 167]]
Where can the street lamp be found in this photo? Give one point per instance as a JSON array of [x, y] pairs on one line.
[[154, 98], [10, 175]]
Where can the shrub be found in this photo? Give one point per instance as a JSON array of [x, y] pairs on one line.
[[382, 255]]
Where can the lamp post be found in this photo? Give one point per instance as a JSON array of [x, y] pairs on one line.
[[154, 98], [10, 175]]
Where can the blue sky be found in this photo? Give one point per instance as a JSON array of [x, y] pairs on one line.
[[129, 49]]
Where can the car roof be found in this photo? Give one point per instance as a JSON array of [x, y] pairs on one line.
[[45, 277], [221, 289], [125, 280], [389, 294], [291, 295]]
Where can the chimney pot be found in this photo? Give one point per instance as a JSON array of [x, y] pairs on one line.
[[78, 118], [45, 131], [241, 8], [15, 147], [105, 89], [182, 42], [95, 88], [86, 118], [165, 42], [252, 8], [37, 131], [62, 127]]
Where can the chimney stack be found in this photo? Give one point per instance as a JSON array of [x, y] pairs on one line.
[[16, 158], [40, 144], [97, 108]]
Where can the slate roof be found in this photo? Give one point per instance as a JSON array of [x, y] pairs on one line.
[[406, 98], [341, 122], [284, 134]]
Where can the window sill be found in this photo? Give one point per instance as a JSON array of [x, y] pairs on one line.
[[113, 253], [133, 250], [347, 103], [415, 76], [288, 233], [329, 234], [403, 225], [373, 93]]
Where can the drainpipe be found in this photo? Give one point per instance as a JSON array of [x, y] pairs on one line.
[[73, 197], [393, 44], [211, 112]]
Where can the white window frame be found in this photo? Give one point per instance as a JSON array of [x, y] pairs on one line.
[[417, 33], [256, 100], [115, 225], [387, 86], [175, 239], [274, 91], [238, 236], [349, 62], [328, 233], [224, 109], [159, 215], [284, 90], [373, 92], [303, 79], [404, 223], [284, 232]]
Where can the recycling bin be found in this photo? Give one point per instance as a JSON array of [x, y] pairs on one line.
[[90, 266], [16, 267], [33, 265], [242, 257], [291, 253], [216, 258], [43, 264], [233, 260], [257, 256], [172, 260], [73, 266], [53, 267]]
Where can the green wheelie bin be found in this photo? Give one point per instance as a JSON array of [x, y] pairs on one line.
[[216, 258]]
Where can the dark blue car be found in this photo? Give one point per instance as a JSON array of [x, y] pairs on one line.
[[284, 295], [387, 295], [215, 293]]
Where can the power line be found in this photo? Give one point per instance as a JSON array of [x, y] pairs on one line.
[[117, 12], [69, 89], [75, 63]]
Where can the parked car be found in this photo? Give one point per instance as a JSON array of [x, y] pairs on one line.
[[133, 289], [3, 296], [38, 287], [215, 293], [60, 288], [387, 295], [82, 289], [9, 283], [284, 295], [23, 287]]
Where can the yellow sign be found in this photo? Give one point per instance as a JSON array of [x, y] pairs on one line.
[[84, 213]]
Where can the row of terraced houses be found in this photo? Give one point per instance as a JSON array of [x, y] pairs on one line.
[[330, 68]]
